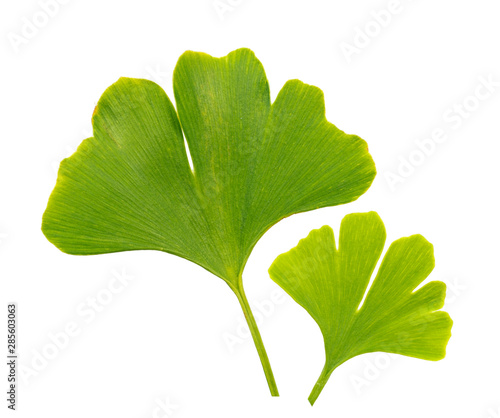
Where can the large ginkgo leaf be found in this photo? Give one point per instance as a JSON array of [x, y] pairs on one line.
[[130, 186], [330, 284]]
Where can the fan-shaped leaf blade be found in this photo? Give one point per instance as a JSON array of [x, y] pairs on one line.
[[330, 284]]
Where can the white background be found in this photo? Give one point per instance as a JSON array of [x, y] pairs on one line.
[[163, 336]]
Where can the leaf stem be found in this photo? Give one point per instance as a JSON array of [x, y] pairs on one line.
[[252, 325], [320, 384]]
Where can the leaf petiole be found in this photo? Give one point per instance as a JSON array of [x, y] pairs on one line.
[[320, 384], [257, 339]]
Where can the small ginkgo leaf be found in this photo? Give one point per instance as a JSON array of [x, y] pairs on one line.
[[130, 186], [330, 284]]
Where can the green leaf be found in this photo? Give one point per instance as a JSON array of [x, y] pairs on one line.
[[330, 284], [130, 186]]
